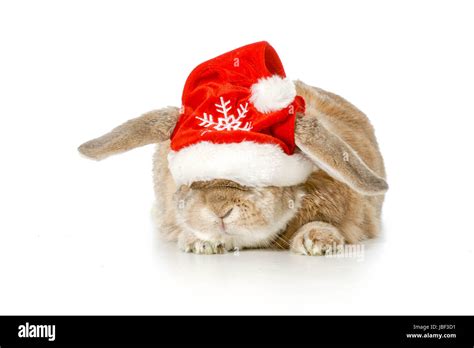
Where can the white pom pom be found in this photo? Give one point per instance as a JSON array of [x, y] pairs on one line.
[[272, 93]]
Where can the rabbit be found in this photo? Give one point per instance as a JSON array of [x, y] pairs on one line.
[[339, 203]]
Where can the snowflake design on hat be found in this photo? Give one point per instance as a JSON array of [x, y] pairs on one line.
[[227, 121]]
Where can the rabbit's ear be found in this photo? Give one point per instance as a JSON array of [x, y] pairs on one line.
[[336, 157], [152, 127]]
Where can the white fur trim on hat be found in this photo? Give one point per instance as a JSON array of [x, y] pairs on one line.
[[272, 93], [247, 163]]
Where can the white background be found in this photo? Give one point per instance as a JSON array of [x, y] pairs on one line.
[[76, 236]]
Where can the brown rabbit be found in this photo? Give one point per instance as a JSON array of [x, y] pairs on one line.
[[339, 203]]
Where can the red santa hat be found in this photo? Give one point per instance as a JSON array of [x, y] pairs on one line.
[[237, 122]]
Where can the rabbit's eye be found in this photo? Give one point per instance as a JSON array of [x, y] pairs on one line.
[[218, 183]]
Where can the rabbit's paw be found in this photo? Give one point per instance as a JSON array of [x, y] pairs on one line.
[[316, 238], [189, 243]]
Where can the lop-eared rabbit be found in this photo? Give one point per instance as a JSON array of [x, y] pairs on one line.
[[338, 203]]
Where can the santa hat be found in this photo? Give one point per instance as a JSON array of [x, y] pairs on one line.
[[237, 122]]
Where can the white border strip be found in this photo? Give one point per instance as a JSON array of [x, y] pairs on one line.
[[247, 163]]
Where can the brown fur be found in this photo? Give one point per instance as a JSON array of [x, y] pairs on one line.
[[357, 216]]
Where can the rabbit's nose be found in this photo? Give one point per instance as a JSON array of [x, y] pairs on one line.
[[226, 214], [222, 211]]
